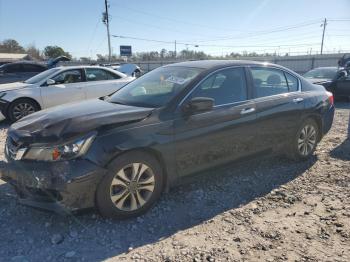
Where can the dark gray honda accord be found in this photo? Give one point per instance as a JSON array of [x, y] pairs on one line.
[[119, 153]]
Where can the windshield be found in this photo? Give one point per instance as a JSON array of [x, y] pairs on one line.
[[322, 73], [156, 88], [42, 76]]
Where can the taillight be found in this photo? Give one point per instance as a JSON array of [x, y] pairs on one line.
[[330, 98]]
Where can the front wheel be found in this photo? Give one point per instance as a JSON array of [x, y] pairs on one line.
[[133, 184], [305, 142], [21, 108]]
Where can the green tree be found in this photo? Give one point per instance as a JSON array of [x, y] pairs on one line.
[[55, 51], [10, 46]]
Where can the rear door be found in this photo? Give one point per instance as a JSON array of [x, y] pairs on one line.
[[279, 105], [68, 87], [102, 82], [227, 132]]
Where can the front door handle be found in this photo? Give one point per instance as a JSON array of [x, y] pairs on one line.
[[247, 110], [298, 100]]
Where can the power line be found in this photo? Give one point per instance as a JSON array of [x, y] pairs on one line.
[[207, 45]]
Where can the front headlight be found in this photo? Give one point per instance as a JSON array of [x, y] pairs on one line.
[[65, 151]]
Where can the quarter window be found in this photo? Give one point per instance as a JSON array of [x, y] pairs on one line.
[[225, 87], [293, 82], [96, 74]]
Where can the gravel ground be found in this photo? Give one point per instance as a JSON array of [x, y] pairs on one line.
[[268, 209]]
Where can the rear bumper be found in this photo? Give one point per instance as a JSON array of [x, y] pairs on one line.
[[61, 187]]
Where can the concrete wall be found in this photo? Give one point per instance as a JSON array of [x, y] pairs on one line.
[[299, 64]]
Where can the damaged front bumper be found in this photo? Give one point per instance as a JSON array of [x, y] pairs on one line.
[[62, 187]]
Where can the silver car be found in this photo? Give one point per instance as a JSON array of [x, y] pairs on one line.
[[58, 86]]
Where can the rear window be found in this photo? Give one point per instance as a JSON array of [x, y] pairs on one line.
[[14, 68], [32, 68]]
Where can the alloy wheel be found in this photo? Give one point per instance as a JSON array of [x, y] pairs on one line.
[[132, 186], [22, 110], [307, 140]]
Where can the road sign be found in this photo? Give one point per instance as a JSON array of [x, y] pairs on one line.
[[125, 50]]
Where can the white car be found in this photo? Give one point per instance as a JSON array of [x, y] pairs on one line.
[[58, 86]]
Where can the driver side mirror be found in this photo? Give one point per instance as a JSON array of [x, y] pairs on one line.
[[50, 82], [198, 105]]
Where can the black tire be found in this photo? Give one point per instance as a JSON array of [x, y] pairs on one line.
[[295, 151], [104, 203], [30, 107]]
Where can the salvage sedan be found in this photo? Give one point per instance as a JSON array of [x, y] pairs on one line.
[[58, 86], [121, 152], [334, 79]]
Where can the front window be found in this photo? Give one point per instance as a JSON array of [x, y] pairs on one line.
[[156, 88], [42, 76], [322, 73], [225, 87], [68, 77]]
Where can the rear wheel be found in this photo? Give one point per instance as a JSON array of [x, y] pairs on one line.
[[21, 108], [305, 142], [133, 184]]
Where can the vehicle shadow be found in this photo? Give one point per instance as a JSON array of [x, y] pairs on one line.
[[342, 151], [185, 206]]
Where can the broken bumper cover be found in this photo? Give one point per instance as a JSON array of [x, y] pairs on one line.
[[61, 187]]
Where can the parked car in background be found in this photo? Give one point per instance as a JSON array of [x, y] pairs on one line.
[[21, 71], [121, 152], [58, 86], [128, 69], [334, 79]]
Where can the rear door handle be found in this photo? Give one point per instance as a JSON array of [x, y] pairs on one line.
[[247, 110], [298, 100]]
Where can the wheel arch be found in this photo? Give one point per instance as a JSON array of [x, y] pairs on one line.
[[23, 98], [156, 154], [319, 122]]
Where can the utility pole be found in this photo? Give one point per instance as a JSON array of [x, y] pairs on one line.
[[324, 25], [105, 19], [175, 49]]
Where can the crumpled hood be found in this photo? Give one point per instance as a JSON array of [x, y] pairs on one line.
[[60, 123], [13, 86]]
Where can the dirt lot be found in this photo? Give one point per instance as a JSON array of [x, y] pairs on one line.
[[268, 209]]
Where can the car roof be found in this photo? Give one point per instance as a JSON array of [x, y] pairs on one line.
[[26, 63], [81, 66], [208, 64], [89, 66]]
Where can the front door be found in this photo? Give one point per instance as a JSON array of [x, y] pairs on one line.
[[225, 133], [67, 88], [343, 87]]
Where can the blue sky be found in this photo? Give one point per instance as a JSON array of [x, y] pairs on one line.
[[217, 27]]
